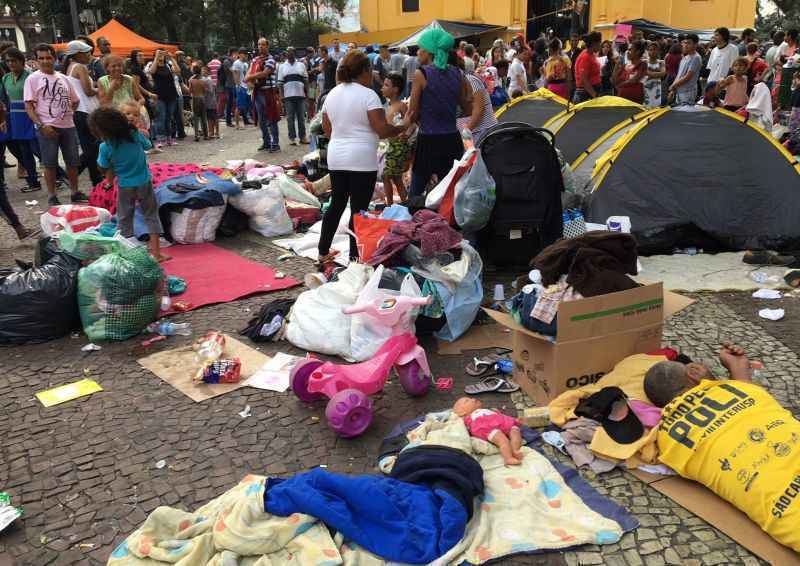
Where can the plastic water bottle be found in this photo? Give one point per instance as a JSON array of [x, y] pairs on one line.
[[170, 328]]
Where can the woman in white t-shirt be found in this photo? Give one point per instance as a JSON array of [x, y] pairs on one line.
[[354, 120]]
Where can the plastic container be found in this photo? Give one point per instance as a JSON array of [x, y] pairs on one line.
[[170, 328]]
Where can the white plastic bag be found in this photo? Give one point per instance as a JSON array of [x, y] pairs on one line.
[[317, 323], [475, 197], [366, 335], [435, 197], [196, 226], [293, 191], [72, 217], [266, 209]]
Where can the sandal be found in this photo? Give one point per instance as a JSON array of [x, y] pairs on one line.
[[30, 188], [482, 365], [324, 261], [491, 384]]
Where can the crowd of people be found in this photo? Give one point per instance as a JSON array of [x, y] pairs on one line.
[[436, 92]]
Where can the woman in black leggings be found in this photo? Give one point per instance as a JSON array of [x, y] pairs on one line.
[[354, 121]]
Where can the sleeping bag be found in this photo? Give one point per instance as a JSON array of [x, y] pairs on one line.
[[734, 438], [413, 519]]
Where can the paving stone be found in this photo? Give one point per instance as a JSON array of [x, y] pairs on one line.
[[590, 558]]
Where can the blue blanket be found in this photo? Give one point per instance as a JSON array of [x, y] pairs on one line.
[[394, 519], [210, 193]]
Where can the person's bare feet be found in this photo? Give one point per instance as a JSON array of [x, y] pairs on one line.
[[511, 461], [162, 257]]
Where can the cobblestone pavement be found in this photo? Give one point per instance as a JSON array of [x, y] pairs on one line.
[[85, 471]]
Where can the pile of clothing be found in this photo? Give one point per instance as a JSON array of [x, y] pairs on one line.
[[444, 264], [596, 263], [612, 421]]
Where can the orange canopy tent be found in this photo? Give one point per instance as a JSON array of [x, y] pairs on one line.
[[124, 40]]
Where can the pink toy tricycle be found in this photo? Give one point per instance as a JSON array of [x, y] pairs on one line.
[[349, 410]]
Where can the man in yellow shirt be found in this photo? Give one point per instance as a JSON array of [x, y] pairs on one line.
[[733, 437]]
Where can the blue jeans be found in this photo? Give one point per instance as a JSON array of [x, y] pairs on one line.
[[296, 111], [166, 111], [230, 99], [269, 130]]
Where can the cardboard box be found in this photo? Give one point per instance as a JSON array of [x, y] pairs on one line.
[[594, 334]]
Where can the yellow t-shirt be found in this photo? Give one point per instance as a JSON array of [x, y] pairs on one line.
[[734, 438]]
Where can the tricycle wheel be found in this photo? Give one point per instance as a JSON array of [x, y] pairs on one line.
[[299, 379], [349, 412], [413, 381]]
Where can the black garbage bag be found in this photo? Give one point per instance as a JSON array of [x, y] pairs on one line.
[[268, 324], [40, 303]]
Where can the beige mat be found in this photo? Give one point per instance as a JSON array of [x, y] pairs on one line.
[[478, 337], [706, 272], [177, 367]]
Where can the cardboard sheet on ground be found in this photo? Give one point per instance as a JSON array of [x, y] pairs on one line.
[[704, 503], [177, 366], [214, 275], [706, 272], [480, 337]]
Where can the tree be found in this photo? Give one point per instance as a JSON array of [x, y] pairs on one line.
[[787, 16], [313, 8]]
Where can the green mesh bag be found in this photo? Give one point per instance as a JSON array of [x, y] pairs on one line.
[[120, 294], [88, 245]]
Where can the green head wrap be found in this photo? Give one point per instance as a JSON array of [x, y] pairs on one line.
[[438, 43]]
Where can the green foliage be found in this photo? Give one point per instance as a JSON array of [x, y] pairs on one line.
[[786, 17]]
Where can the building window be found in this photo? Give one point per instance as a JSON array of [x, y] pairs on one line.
[[411, 5]]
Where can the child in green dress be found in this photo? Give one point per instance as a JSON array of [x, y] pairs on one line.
[[399, 149]]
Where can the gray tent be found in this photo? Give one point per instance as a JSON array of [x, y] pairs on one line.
[[458, 30]]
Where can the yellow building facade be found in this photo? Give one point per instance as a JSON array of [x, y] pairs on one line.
[[387, 21]]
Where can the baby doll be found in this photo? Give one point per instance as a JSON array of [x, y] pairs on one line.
[[492, 426]]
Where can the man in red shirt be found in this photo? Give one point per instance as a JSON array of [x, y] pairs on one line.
[[587, 70]]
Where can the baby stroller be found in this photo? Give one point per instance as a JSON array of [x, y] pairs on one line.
[[523, 162]]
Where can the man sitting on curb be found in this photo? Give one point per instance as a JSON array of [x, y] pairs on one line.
[[733, 437]]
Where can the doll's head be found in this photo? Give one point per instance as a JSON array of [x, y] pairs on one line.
[[466, 405]]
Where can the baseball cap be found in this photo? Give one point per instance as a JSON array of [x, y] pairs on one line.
[[76, 46], [610, 408]]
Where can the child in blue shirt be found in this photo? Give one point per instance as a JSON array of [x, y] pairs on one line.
[[122, 154]]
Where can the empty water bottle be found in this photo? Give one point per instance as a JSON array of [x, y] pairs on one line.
[[170, 328]]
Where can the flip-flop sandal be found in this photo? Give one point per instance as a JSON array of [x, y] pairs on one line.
[[491, 384], [482, 365], [29, 189]]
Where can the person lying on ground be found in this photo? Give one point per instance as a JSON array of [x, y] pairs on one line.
[[733, 437]]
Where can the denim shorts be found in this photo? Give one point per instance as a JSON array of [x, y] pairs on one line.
[[67, 141]]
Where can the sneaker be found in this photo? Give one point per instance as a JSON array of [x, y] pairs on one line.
[[172, 141], [61, 184], [292, 142], [78, 197], [229, 124], [274, 149], [305, 142], [53, 201], [263, 147]]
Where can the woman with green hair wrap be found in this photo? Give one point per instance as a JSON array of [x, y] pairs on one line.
[[439, 94]]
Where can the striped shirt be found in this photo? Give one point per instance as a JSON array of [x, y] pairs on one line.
[[261, 63], [487, 117], [214, 66]]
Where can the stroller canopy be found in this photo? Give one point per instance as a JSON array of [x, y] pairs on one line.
[[698, 176]]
